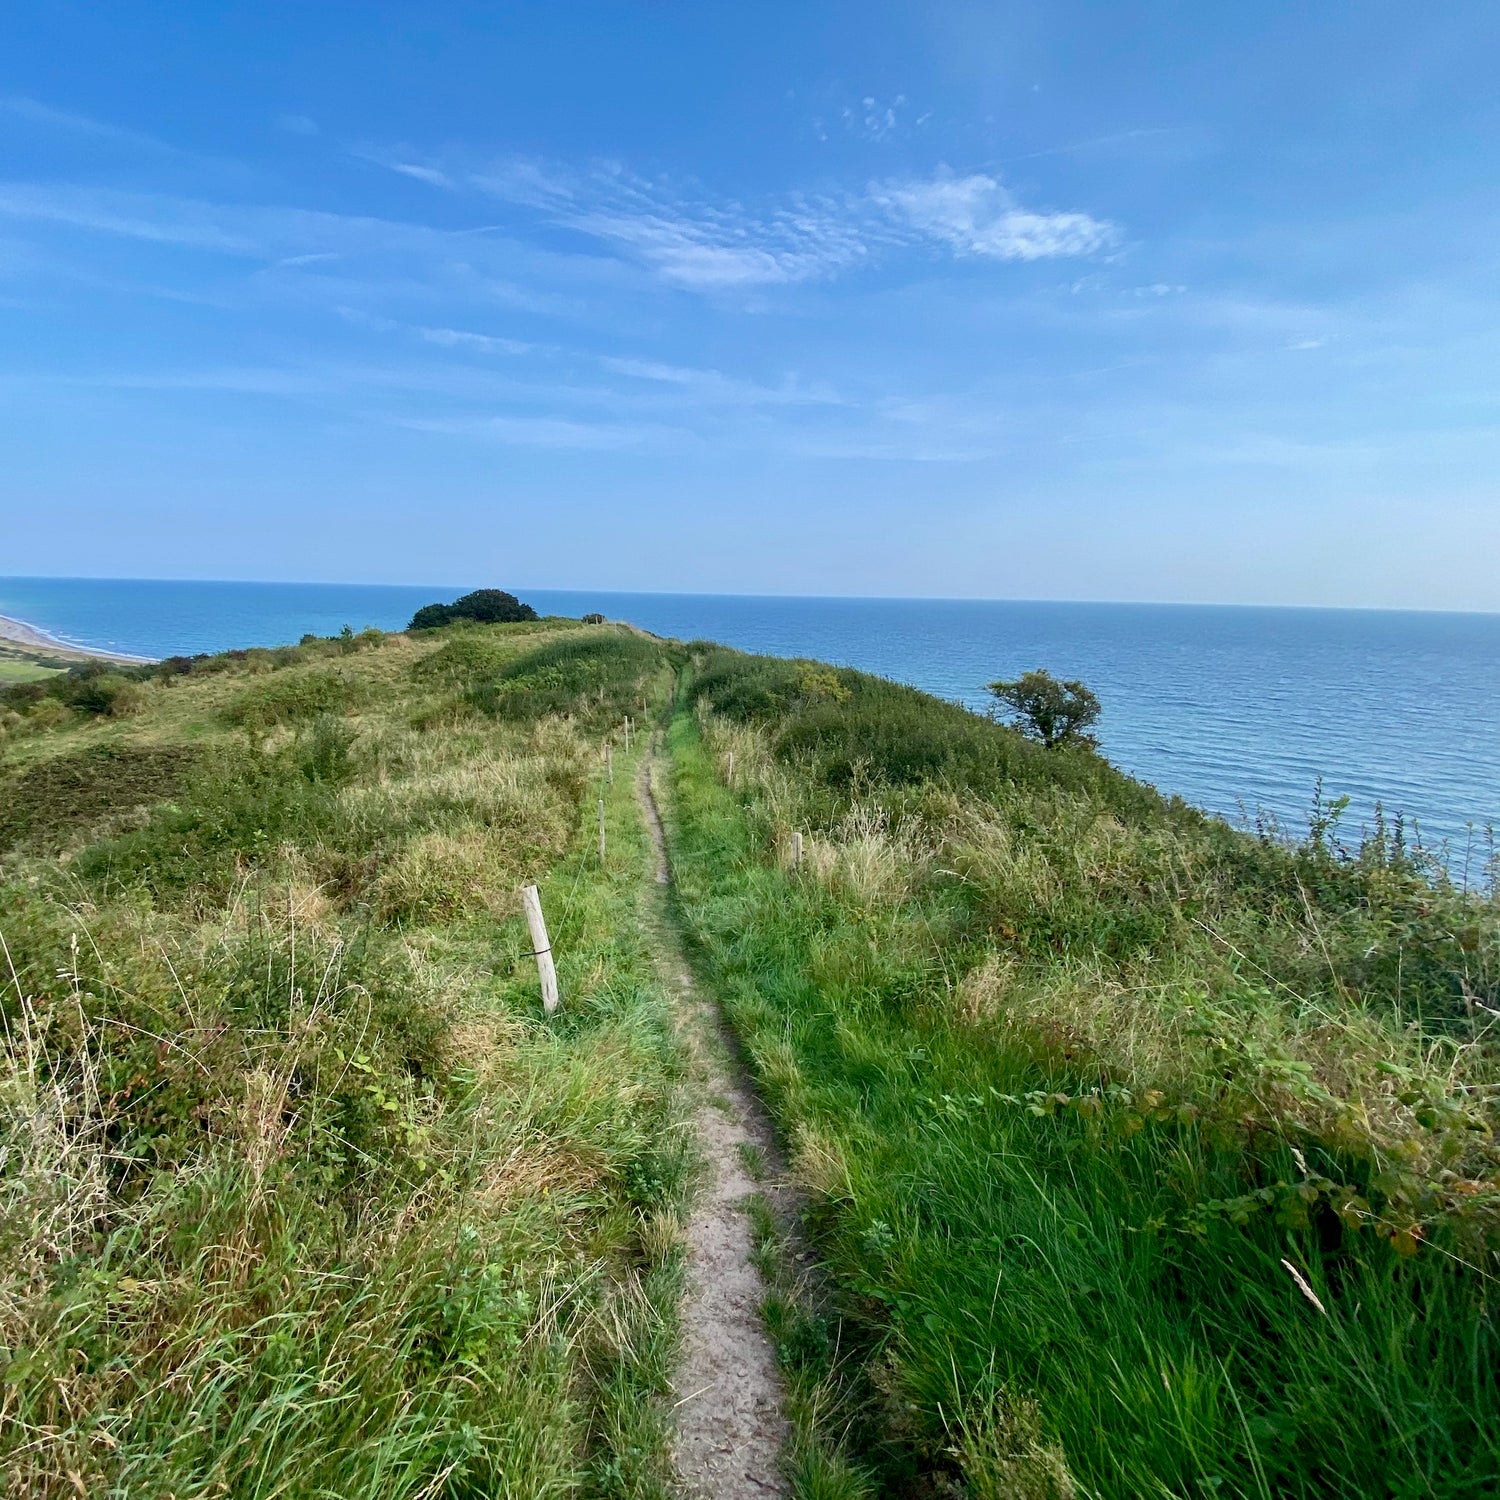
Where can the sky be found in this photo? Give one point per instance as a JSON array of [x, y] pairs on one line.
[[1121, 300]]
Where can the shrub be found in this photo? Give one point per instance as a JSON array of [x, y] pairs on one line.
[[487, 606], [293, 698], [94, 688], [239, 807], [464, 659], [598, 678]]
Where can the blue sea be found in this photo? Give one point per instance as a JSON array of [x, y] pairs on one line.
[[1239, 710]]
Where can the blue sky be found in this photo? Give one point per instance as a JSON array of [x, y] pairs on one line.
[[1112, 301]]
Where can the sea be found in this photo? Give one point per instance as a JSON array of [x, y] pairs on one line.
[[1241, 710]]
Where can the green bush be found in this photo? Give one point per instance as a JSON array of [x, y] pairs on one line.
[[598, 678], [850, 726], [294, 697], [236, 807], [484, 606]]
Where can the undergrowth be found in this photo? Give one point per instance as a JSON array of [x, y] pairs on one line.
[[1146, 1157], [300, 1194]]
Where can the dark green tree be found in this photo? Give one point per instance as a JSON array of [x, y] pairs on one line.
[[1056, 713], [487, 606]]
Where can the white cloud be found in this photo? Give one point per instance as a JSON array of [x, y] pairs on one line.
[[132, 215], [295, 124], [430, 175], [695, 241], [463, 338], [704, 252], [713, 387], [549, 432], [400, 162], [978, 215], [36, 113]]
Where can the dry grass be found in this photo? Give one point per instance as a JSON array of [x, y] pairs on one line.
[[298, 1195]]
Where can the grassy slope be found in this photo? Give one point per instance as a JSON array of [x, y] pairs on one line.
[[1148, 1158], [298, 1192]]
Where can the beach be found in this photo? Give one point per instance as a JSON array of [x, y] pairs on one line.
[[30, 639]]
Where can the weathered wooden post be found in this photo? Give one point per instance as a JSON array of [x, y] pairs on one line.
[[729, 775], [796, 850], [541, 947], [627, 734], [601, 830], [609, 762]]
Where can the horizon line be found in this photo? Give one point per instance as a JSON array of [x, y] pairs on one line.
[[690, 594]]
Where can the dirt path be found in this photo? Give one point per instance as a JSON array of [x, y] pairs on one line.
[[730, 1426]]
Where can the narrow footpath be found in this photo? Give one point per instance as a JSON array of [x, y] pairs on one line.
[[728, 1393]]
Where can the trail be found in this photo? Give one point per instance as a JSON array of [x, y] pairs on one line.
[[730, 1425]]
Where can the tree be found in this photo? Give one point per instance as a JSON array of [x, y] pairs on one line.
[[1056, 713], [488, 606]]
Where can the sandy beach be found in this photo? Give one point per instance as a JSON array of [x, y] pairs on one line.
[[29, 638]]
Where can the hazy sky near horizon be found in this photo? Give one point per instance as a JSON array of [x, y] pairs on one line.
[[1055, 300]]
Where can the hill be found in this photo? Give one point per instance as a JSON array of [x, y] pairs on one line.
[[1136, 1154]]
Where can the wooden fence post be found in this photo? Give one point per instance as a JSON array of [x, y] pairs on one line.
[[541, 947], [609, 762], [729, 775], [796, 850], [601, 830], [627, 734]]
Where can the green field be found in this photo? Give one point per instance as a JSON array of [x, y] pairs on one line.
[[1141, 1156], [23, 669]]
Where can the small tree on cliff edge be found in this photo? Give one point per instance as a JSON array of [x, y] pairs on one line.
[[1056, 713]]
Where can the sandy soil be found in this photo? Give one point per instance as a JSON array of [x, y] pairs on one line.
[[730, 1426], [30, 639]]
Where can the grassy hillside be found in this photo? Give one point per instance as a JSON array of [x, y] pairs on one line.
[[299, 1194], [1143, 1156], [1147, 1157]]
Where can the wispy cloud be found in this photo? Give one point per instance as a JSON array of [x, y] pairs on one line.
[[463, 338], [978, 215], [713, 387], [681, 233], [133, 215], [20, 107], [691, 239], [404, 164], [551, 432]]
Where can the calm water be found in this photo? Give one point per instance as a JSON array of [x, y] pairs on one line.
[[1233, 708]]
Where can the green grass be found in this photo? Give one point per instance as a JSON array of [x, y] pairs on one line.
[[1146, 1158], [1143, 1157], [24, 671], [300, 1194]]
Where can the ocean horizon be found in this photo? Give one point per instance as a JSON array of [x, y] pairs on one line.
[[1241, 709]]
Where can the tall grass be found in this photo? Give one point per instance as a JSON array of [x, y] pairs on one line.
[[299, 1193], [1147, 1157]]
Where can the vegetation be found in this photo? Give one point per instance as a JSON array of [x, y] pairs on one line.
[[484, 606], [1142, 1156], [1056, 713], [1145, 1157], [299, 1193]]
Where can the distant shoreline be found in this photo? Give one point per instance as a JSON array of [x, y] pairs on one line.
[[29, 638]]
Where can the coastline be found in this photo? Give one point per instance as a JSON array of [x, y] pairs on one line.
[[29, 638]]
